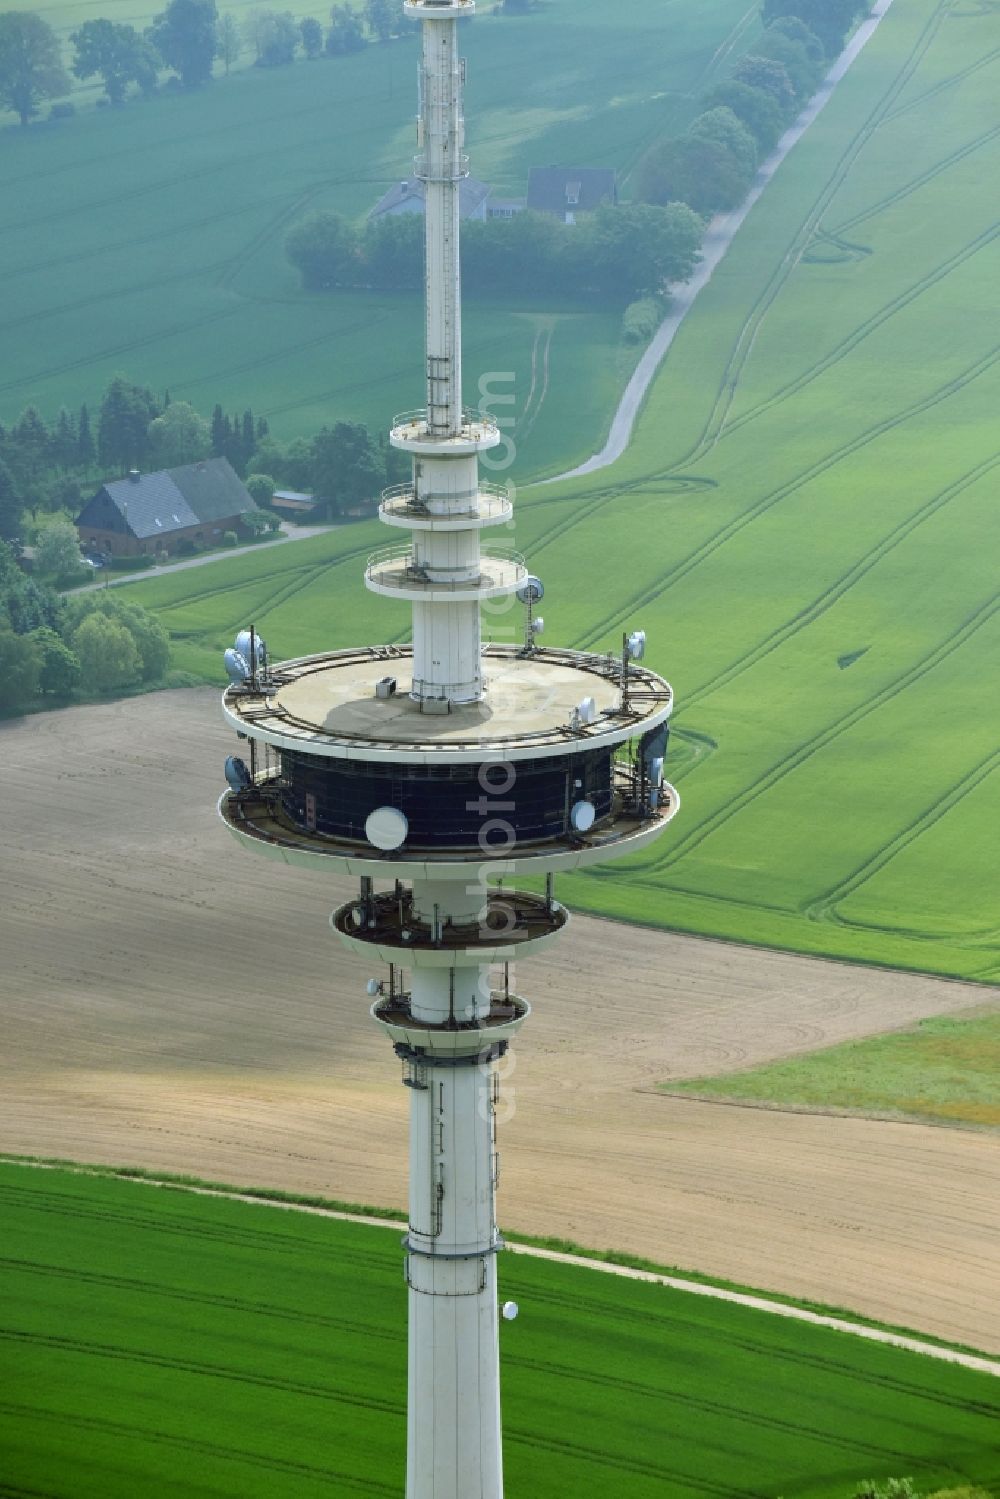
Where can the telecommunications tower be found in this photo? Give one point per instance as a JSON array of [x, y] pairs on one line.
[[436, 774]]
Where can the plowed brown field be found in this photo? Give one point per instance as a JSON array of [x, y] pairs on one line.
[[169, 1001]]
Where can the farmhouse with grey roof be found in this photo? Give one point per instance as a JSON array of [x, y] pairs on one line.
[[408, 197], [567, 191], [147, 513]]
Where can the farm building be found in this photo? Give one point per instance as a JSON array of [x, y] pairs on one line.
[[146, 513], [567, 191], [291, 505], [408, 197]]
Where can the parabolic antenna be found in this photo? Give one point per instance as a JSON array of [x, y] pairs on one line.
[[582, 816], [636, 644], [386, 828], [532, 590], [509, 1310], [237, 775], [242, 643], [236, 666]]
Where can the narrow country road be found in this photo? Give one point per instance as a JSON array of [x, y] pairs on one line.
[[301, 533], [720, 235]]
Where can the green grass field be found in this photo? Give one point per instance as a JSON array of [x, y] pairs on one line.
[[149, 240], [944, 1071], [157, 1342], [805, 524]]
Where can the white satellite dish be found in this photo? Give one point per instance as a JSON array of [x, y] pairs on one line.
[[236, 666], [242, 643], [532, 590], [373, 987], [635, 645], [509, 1311], [581, 816], [386, 828], [586, 710]]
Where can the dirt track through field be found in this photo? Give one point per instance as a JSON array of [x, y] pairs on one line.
[[169, 1001]]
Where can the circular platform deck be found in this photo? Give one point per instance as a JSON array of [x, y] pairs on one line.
[[326, 705]]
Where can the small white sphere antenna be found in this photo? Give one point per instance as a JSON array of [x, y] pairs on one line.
[[532, 590], [386, 828], [582, 816], [509, 1311], [373, 987]]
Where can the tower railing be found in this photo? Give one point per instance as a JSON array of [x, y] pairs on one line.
[[396, 566], [487, 499]]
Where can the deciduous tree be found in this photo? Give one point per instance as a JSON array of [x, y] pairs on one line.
[[60, 670], [759, 111], [311, 33], [30, 64], [639, 247], [260, 488], [113, 51], [20, 669], [179, 436], [107, 654], [770, 76], [57, 551], [185, 36], [722, 126], [228, 43], [346, 468], [324, 250], [694, 170], [346, 33]]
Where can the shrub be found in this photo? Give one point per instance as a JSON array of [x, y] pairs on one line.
[[641, 320], [62, 111], [107, 654], [229, 538]]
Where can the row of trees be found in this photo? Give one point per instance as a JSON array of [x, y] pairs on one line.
[[56, 649], [620, 252], [187, 37], [712, 166]]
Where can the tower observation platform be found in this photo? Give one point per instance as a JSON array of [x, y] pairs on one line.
[[442, 771]]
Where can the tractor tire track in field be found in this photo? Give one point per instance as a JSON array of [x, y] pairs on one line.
[[767, 1350], [842, 585], [539, 390], [915, 183], [868, 326], [120, 1431], [156, 1288], [205, 321], [818, 741], [822, 466], [700, 1406], [620, 1463], [945, 83], [823, 907], [62, 1343], [63, 1205]]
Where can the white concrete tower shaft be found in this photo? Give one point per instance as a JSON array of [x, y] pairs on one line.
[[450, 1029]]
